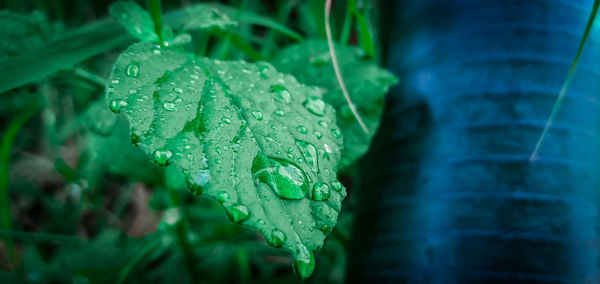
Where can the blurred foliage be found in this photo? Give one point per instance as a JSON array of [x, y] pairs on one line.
[[75, 215]]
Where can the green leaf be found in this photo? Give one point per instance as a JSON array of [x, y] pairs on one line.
[[215, 14], [110, 145], [367, 85], [240, 134], [61, 53], [206, 16], [136, 21], [21, 32]]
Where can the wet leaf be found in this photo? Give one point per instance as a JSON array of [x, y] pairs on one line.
[[367, 85], [241, 134]]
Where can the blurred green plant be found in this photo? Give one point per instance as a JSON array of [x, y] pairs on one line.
[[82, 204]]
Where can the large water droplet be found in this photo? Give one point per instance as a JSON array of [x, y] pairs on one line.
[[117, 105], [284, 177], [162, 157], [304, 263], [237, 212], [315, 105], [133, 69], [277, 238], [320, 191], [310, 154], [282, 93]]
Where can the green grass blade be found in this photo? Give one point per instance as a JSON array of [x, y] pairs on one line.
[[61, 53], [5, 150], [567, 82], [154, 6]]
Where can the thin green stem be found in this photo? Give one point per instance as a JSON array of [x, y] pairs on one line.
[[225, 46], [348, 20], [336, 67], [5, 152], [156, 13], [567, 83], [89, 76], [182, 231]]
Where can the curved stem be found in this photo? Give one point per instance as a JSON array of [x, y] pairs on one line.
[[567, 82], [336, 67]]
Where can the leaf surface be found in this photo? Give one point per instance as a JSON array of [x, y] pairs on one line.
[[241, 134], [367, 85]]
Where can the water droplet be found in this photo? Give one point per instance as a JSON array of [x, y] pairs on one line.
[[277, 238], [279, 112], [323, 123], [319, 134], [310, 154], [336, 133], [284, 177], [257, 114], [315, 105], [282, 93], [117, 105], [223, 197], [196, 182], [169, 106], [226, 120], [326, 229], [302, 129], [237, 212], [320, 191], [337, 186], [304, 263], [162, 157], [178, 90], [133, 69]]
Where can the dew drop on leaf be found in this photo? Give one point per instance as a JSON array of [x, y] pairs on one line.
[[169, 106], [162, 157], [197, 181], [279, 112], [336, 133], [325, 229], [284, 177], [277, 238], [323, 123], [226, 120], [257, 115], [319, 134], [302, 129], [282, 93], [304, 263], [223, 197], [315, 105], [310, 154], [337, 186], [320, 191], [237, 212], [117, 105], [133, 69]]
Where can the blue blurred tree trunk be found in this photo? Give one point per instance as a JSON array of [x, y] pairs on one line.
[[447, 193]]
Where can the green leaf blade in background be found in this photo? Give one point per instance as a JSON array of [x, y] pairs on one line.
[[367, 85], [136, 21], [263, 145]]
